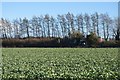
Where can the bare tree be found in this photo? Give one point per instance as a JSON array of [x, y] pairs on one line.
[[40, 31], [97, 23], [80, 23], [93, 18], [108, 26], [16, 26], [47, 21], [106, 23], [62, 22], [26, 25], [0, 28], [87, 23], [57, 29], [8, 28], [35, 26], [4, 28], [43, 27], [52, 21], [70, 22], [63, 25], [116, 29], [22, 28]]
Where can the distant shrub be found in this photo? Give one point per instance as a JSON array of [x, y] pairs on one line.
[[110, 44], [32, 42], [92, 40], [76, 37]]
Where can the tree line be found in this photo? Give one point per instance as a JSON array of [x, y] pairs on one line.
[[61, 26]]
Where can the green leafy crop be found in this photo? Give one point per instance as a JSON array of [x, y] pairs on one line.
[[60, 63]]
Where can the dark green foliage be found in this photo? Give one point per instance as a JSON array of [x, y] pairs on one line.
[[76, 37], [60, 63], [30, 42], [110, 44], [92, 40]]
